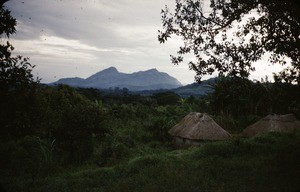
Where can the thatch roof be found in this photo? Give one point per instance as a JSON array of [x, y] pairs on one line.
[[198, 126], [273, 123]]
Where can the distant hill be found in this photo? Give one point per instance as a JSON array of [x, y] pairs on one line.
[[112, 78], [195, 89]]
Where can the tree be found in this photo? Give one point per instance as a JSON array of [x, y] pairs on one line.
[[7, 22], [230, 35], [15, 72], [16, 80]]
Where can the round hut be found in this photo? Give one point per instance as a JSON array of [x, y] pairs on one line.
[[196, 128], [273, 123]]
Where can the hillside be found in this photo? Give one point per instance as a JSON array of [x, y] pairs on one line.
[[195, 89]]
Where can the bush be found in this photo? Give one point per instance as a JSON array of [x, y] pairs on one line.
[[167, 98], [159, 128], [28, 156], [75, 136]]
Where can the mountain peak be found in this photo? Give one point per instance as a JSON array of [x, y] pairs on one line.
[[152, 70], [110, 69]]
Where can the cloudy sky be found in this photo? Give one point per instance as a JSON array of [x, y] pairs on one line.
[[77, 38]]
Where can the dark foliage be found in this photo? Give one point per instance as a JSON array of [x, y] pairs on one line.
[[8, 23], [70, 119], [242, 97], [167, 98]]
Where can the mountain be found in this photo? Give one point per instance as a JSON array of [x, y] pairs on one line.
[[111, 78]]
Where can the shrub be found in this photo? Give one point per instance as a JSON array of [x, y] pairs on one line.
[[74, 137]]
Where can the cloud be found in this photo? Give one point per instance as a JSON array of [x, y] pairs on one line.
[[123, 22], [79, 37]]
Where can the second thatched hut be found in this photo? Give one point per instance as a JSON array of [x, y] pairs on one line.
[[196, 128], [273, 123]]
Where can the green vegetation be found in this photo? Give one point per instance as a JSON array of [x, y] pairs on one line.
[[87, 140], [264, 163]]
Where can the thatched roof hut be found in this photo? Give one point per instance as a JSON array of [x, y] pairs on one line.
[[273, 123], [196, 128]]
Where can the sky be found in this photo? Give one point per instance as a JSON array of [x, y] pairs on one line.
[[77, 38]]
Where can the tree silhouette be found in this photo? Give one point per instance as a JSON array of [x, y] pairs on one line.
[[230, 35], [15, 72], [16, 79]]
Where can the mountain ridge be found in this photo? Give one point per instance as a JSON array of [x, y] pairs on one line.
[[110, 77]]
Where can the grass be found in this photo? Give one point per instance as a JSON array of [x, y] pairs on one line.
[[264, 163]]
